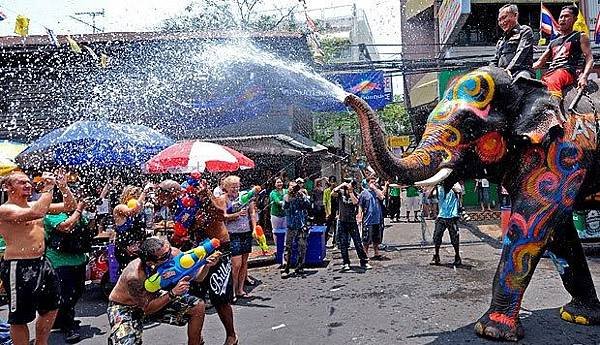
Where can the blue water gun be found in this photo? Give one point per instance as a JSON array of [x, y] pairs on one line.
[[184, 264]]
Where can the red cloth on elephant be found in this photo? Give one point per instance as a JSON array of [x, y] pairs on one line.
[[557, 80]]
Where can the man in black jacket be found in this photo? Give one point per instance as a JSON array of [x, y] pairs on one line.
[[514, 50]]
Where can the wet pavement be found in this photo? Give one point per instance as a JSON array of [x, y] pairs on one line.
[[402, 300]]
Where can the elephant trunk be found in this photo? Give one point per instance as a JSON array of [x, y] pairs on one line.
[[415, 167]]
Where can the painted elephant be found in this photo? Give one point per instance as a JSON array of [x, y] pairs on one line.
[[509, 132]]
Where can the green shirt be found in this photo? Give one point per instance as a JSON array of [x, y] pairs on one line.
[[327, 200], [309, 185], [394, 191], [411, 191], [276, 198], [58, 258]]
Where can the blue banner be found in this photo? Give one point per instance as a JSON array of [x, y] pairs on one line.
[[250, 90], [370, 86]]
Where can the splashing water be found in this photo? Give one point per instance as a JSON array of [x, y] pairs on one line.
[[220, 59], [210, 83]]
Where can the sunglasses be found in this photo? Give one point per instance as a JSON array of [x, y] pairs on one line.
[[166, 256]]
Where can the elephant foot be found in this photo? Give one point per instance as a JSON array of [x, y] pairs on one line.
[[499, 326], [583, 313]]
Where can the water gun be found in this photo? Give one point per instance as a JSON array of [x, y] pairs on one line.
[[187, 207], [244, 199], [185, 264], [259, 235]]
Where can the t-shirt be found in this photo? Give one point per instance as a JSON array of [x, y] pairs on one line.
[[448, 203], [317, 197], [372, 213], [348, 210], [276, 199], [309, 185], [395, 191], [484, 183], [102, 206], [58, 258], [296, 211], [412, 191], [218, 191]]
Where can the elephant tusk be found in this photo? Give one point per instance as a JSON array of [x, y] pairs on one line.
[[435, 179]]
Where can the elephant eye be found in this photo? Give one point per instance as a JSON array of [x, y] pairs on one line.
[[470, 127]]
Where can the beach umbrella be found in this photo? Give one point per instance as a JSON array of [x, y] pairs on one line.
[[8, 151], [97, 144], [187, 156]]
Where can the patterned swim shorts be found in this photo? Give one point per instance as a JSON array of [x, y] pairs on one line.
[[127, 322]]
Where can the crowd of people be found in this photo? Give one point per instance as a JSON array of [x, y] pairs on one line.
[[56, 228]]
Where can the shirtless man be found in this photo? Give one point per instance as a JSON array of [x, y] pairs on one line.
[[210, 224], [30, 280], [129, 302]]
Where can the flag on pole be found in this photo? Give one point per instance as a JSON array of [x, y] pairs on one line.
[[597, 29], [92, 53], [73, 45], [52, 37], [548, 25], [103, 60], [581, 25], [2, 16], [312, 26], [22, 26]]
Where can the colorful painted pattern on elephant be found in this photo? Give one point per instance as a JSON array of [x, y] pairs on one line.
[[443, 138], [549, 190], [582, 129]]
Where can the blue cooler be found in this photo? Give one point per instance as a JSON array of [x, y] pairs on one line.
[[315, 246]]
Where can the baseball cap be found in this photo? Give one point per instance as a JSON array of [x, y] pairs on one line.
[[299, 180]]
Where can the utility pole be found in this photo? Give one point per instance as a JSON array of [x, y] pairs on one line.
[[92, 14]]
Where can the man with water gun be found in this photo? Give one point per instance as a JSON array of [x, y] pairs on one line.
[[209, 223], [130, 302]]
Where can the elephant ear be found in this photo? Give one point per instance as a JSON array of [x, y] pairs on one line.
[[536, 114]]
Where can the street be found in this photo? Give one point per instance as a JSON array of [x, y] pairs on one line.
[[403, 300]]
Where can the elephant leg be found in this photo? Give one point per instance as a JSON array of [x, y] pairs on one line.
[[522, 250], [566, 252], [549, 181]]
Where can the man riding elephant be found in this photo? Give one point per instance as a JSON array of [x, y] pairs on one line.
[[487, 126], [564, 54], [514, 50]]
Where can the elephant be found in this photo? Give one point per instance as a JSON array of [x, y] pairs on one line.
[[488, 125]]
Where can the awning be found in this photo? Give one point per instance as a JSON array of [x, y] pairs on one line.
[[425, 91], [290, 144], [414, 7]]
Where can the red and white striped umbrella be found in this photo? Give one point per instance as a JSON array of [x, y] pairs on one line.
[[187, 156]]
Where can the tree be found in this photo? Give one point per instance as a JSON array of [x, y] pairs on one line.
[[394, 118], [207, 15], [333, 47]]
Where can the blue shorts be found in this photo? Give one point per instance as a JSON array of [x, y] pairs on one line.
[[484, 195], [241, 243], [372, 233]]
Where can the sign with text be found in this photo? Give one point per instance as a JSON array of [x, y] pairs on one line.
[[371, 86], [398, 141], [451, 17]]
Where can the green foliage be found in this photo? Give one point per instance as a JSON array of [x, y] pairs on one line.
[[334, 47], [208, 15], [394, 118]]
